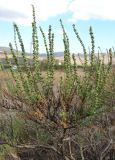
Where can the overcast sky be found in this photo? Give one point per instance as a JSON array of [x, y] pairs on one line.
[[100, 14]]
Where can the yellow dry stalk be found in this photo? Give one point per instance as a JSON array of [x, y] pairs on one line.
[[38, 114], [64, 119], [64, 124]]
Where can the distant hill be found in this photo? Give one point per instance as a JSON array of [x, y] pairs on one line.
[[7, 49], [42, 55], [57, 54]]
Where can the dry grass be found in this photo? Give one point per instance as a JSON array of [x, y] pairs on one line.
[[6, 75]]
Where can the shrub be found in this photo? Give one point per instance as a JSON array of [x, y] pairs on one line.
[[77, 100]]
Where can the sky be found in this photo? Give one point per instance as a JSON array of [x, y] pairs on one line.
[[100, 14]]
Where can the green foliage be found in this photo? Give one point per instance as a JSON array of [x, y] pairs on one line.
[[18, 131], [50, 60], [82, 44]]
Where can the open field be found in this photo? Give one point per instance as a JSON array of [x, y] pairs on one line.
[[6, 76], [79, 59]]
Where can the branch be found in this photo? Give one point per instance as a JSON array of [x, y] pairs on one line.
[[105, 150]]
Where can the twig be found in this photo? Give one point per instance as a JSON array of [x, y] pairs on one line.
[[105, 150], [69, 142]]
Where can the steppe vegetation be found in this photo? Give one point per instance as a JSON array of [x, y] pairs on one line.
[[66, 114]]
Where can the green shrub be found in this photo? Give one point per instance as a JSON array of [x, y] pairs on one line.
[[36, 89], [77, 99]]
